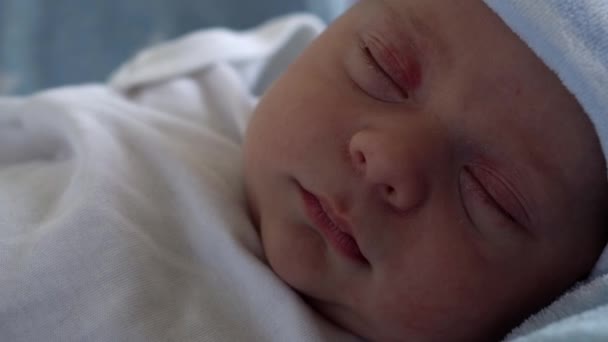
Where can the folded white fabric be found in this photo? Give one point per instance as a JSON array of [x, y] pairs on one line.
[[122, 210], [571, 37]]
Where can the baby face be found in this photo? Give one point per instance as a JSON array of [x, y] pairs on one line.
[[419, 174]]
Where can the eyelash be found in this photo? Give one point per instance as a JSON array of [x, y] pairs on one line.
[[386, 89], [473, 186]]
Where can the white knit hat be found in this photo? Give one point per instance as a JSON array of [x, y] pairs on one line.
[[571, 37]]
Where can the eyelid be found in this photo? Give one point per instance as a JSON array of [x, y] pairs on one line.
[[373, 63], [399, 63], [369, 77], [481, 208], [501, 191]]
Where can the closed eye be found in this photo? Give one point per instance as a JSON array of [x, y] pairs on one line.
[[373, 63], [480, 204], [369, 75]]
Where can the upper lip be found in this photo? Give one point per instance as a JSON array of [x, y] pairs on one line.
[[342, 222]]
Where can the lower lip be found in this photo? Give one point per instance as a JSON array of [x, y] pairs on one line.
[[342, 242]]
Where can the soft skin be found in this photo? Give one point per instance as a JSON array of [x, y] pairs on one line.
[[471, 178]]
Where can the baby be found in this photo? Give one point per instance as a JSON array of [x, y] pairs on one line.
[[417, 174]]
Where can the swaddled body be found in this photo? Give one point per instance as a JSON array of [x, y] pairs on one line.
[[123, 216]]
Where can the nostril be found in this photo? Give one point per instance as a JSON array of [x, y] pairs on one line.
[[360, 158], [389, 190], [359, 162]]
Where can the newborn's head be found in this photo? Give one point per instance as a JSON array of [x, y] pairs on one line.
[[418, 173]]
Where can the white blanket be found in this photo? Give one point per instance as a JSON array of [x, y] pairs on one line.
[[580, 315], [122, 215]]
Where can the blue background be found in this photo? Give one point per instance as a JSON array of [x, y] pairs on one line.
[[45, 43]]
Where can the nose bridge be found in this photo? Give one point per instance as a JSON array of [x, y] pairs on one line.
[[399, 161]]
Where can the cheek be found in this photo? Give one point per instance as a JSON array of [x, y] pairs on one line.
[[270, 138], [437, 285], [297, 255], [299, 125]]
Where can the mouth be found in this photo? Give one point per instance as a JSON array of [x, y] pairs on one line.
[[335, 229]]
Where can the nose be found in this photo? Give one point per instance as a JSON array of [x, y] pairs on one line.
[[398, 167]]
